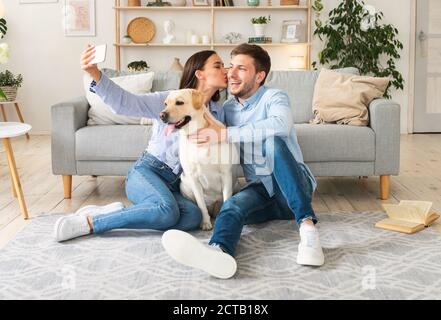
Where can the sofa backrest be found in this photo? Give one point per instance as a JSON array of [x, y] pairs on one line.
[[166, 80], [298, 84], [300, 88]]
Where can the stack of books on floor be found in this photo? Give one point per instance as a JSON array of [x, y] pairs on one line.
[[260, 40]]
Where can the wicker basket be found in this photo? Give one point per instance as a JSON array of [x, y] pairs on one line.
[[289, 2], [10, 93], [141, 30]]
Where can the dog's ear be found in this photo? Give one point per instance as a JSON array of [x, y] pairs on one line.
[[197, 98]]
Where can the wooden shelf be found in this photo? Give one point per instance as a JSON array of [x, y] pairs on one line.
[[248, 8], [305, 11], [144, 45], [261, 8], [278, 44], [162, 8]]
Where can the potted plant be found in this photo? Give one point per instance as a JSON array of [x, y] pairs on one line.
[[9, 83], [354, 37], [138, 66], [259, 24], [126, 39]]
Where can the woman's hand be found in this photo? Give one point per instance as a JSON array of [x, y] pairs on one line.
[[86, 57]]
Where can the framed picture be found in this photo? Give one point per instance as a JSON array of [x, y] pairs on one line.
[[79, 18], [200, 3], [292, 31]]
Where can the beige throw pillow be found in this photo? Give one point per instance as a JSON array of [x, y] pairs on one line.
[[101, 114], [344, 98]]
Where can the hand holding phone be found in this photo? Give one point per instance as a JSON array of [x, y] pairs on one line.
[[100, 54]]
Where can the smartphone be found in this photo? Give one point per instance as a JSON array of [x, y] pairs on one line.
[[100, 54]]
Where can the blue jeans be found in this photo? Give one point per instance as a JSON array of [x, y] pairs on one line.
[[292, 199], [153, 189]]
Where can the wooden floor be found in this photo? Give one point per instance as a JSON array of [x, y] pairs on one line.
[[420, 179]]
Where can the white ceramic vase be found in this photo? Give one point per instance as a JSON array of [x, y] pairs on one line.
[[259, 30]]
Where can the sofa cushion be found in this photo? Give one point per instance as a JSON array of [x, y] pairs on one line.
[[332, 142], [101, 114], [300, 88], [350, 106], [112, 142], [162, 80]]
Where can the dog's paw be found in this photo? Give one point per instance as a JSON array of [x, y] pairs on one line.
[[206, 225]]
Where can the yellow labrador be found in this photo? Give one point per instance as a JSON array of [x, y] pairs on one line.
[[208, 169]]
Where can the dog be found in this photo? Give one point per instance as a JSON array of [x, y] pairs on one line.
[[209, 170]]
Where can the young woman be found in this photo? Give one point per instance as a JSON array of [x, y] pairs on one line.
[[152, 184]]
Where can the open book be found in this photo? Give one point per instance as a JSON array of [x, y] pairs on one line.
[[408, 216]]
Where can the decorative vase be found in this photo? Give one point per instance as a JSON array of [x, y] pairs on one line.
[[176, 66], [10, 93], [178, 3], [259, 30], [253, 3]]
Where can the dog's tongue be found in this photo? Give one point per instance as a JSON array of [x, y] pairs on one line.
[[169, 129]]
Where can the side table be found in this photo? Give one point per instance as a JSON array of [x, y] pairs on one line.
[[9, 130], [17, 109]]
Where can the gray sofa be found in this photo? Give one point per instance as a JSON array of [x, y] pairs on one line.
[[329, 150]]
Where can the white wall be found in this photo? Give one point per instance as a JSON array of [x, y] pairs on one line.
[[49, 61]]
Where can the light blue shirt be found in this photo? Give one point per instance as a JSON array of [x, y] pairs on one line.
[[265, 114], [165, 148]]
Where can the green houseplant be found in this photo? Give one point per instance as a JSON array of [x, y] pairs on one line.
[[9, 83], [353, 37], [259, 24], [261, 20], [3, 28], [138, 66], [4, 50]]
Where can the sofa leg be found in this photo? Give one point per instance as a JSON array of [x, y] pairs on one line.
[[384, 187], [67, 184]]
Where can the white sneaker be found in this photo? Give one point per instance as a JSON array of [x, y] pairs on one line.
[[71, 226], [93, 210], [189, 251], [310, 250]]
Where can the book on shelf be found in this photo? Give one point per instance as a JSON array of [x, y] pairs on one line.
[[223, 3], [408, 216], [260, 40]]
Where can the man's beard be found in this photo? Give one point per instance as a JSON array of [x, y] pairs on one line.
[[247, 88]]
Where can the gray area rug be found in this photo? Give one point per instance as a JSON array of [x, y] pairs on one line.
[[362, 262]]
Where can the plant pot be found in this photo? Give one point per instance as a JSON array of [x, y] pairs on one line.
[[126, 40], [10, 93], [178, 3], [259, 30]]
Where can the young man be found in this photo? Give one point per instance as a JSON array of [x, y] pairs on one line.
[[256, 115]]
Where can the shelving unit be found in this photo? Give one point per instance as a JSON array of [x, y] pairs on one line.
[[211, 11]]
